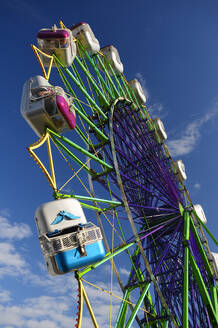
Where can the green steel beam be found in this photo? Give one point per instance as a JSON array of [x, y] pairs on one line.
[[166, 324], [213, 290], [126, 88], [67, 151], [91, 124], [186, 227], [95, 67], [97, 175], [80, 80], [58, 195], [101, 79], [122, 311], [82, 89], [81, 134], [181, 209], [75, 71], [108, 76], [90, 207], [95, 86], [185, 288], [201, 249], [156, 323], [100, 200], [77, 147], [134, 97], [213, 313], [107, 257], [137, 306], [69, 88], [116, 79], [186, 270]]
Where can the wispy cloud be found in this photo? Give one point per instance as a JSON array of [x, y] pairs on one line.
[[5, 296], [59, 311], [13, 230], [124, 272], [197, 186], [65, 284], [43, 312], [191, 135], [5, 212], [101, 306], [11, 262], [156, 108]]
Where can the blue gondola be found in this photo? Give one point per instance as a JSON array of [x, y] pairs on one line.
[[68, 242]]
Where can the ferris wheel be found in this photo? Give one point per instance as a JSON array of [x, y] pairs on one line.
[[97, 126]]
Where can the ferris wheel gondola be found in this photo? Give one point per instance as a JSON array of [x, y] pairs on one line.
[[44, 106], [84, 34], [57, 41]]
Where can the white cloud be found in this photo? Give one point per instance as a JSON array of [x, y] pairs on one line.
[[5, 296], [53, 312], [156, 110], [59, 312], [13, 230], [63, 284], [43, 312], [6, 212], [14, 264], [124, 272], [188, 141], [100, 301], [197, 186], [9, 257]]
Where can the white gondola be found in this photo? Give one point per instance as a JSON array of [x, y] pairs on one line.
[[215, 259], [59, 42], [67, 241], [180, 170], [112, 57], [160, 129], [138, 91], [200, 213], [45, 106], [86, 37]]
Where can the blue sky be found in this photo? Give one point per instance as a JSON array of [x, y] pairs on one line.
[[172, 48]]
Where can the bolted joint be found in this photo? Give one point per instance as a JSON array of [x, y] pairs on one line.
[[186, 243]]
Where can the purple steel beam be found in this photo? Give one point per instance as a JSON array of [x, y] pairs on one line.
[[163, 225], [139, 159], [198, 259], [156, 184], [167, 248], [133, 151], [144, 188], [166, 172]]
